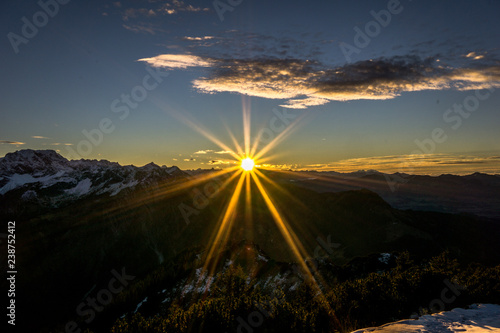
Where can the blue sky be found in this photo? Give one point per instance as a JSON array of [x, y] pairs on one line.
[[364, 84]]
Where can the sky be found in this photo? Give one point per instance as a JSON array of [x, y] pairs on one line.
[[395, 86]]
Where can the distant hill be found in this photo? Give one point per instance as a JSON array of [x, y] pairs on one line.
[[477, 193]]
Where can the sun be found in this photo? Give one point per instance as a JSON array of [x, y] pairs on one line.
[[247, 164]]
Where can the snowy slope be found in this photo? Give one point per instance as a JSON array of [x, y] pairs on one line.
[[479, 318], [45, 175]]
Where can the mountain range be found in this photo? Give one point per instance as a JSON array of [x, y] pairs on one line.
[[77, 221], [48, 179], [477, 193]]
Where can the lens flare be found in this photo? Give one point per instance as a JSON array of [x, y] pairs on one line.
[[240, 177]]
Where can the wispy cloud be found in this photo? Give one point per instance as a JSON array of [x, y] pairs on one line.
[[39, 137], [285, 166], [236, 44], [58, 144], [218, 162], [11, 142], [157, 8], [176, 61], [203, 151], [197, 38], [224, 152], [305, 83], [147, 16], [176, 6], [474, 55], [130, 13]]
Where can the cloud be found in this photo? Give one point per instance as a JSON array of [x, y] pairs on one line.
[[218, 162], [130, 13], [176, 6], [11, 142], [189, 159], [39, 137], [58, 144], [236, 44], [224, 152], [162, 8], [197, 38], [204, 151], [148, 15], [285, 166], [474, 55], [305, 83], [143, 28], [304, 103], [175, 61]]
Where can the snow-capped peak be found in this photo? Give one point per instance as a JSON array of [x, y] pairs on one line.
[[34, 162], [47, 172]]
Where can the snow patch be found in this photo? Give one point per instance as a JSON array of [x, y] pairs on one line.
[[19, 180], [479, 318], [117, 188], [260, 257], [83, 187], [295, 286], [384, 258], [140, 304]]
